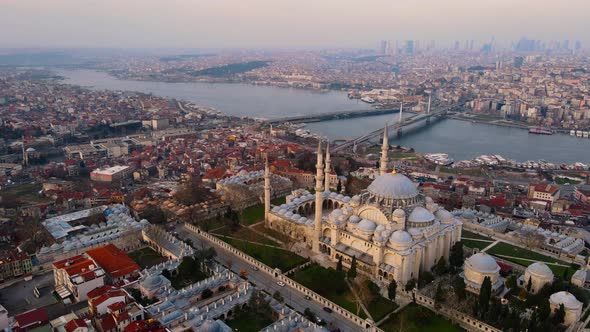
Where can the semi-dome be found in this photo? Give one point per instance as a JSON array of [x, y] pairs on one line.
[[482, 262], [443, 214], [567, 299], [540, 269], [366, 225], [393, 186], [401, 237], [420, 214]]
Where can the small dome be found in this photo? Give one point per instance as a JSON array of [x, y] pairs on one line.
[[354, 219], [394, 186], [31, 150], [401, 237], [540, 269], [400, 213], [443, 214], [567, 299], [420, 214], [210, 326], [482, 262], [366, 225]]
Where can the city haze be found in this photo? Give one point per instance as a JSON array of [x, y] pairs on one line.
[[283, 24]]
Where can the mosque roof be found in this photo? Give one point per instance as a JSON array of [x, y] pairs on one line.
[[394, 186]]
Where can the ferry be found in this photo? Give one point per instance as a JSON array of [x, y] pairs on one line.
[[585, 134], [540, 131], [368, 100], [572, 133], [578, 133], [442, 159]]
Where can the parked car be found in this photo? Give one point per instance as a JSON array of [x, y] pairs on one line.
[[328, 310], [307, 297], [280, 283]]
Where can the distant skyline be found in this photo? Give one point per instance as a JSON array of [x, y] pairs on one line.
[[284, 23]]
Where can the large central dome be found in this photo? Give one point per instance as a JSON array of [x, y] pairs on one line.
[[393, 186]]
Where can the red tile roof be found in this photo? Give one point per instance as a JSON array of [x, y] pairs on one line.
[[544, 188], [113, 260], [74, 324], [31, 318]]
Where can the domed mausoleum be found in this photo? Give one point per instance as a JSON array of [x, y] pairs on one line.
[[479, 266], [573, 307], [539, 275], [394, 232]]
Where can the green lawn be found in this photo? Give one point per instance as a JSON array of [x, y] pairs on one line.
[[255, 213], [248, 321], [562, 180], [476, 244], [273, 257], [146, 257], [471, 235], [415, 318], [246, 234], [329, 284], [24, 193], [252, 214], [271, 232], [380, 307], [503, 248]]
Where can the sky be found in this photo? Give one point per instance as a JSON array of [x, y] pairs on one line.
[[283, 23]]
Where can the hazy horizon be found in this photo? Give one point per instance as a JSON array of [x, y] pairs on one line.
[[267, 24]]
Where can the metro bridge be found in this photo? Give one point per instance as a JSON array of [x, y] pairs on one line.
[[396, 127], [332, 116]]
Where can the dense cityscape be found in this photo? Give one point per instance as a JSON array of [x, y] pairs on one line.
[[296, 189]]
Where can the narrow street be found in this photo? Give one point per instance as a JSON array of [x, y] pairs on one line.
[[266, 282]]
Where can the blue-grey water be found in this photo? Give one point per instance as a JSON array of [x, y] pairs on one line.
[[460, 139]]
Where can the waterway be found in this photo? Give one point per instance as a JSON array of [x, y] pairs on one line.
[[460, 139]]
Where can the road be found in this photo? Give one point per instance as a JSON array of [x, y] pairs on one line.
[[266, 282]]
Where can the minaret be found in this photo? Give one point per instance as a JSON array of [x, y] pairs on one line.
[[401, 109], [384, 149], [319, 199], [327, 169], [428, 111], [266, 190]]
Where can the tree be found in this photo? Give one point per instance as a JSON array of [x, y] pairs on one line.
[[207, 293], [278, 296], [459, 288], [566, 273], [441, 267], [485, 294], [339, 264], [364, 295], [166, 273], [391, 290], [410, 285], [425, 278], [352, 271], [456, 255], [559, 316], [192, 192], [259, 306], [529, 285], [511, 282], [545, 308], [439, 295], [339, 186]]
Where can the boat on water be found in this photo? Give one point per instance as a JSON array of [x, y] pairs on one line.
[[442, 159], [368, 100], [540, 131], [572, 133]]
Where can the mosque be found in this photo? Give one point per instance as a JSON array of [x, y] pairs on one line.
[[393, 231]]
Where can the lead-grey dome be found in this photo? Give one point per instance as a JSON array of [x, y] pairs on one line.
[[567, 299], [366, 225], [421, 215], [482, 262], [401, 237], [393, 186], [540, 269]]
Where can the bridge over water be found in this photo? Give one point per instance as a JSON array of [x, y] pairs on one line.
[[396, 127], [333, 115]]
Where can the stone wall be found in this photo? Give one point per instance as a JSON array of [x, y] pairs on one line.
[[467, 322], [366, 325]]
